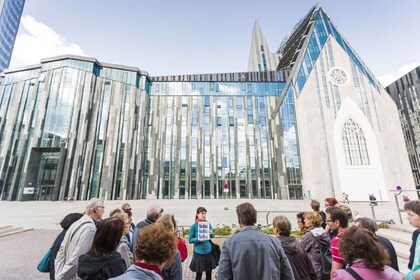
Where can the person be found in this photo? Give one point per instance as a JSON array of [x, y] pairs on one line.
[[102, 261], [299, 260], [202, 259], [373, 227], [128, 210], [250, 254], [412, 208], [337, 220], [345, 198], [65, 225], [124, 246], [78, 240], [413, 247], [365, 257], [300, 219], [315, 241], [153, 213], [173, 267], [182, 247], [154, 248], [315, 205], [372, 200], [330, 202]]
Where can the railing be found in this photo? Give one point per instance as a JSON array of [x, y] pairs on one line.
[[276, 211]]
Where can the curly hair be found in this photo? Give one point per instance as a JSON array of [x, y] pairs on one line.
[[360, 243], [156, 244], [282, 224], [315, 218]]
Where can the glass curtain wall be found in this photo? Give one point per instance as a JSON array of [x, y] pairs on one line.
[[209, 134]]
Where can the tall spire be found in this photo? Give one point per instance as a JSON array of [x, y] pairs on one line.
[[260, 56]]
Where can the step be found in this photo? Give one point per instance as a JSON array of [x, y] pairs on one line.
[[397, 235], [5, 227], [14, 231], [405, 228]]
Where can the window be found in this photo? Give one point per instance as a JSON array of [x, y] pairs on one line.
[[354, 144]]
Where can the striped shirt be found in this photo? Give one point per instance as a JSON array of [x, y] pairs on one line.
[[335, 252]]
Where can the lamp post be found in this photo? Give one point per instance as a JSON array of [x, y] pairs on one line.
[[398, 188]]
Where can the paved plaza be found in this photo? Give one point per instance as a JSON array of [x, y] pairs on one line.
[[20, 253]]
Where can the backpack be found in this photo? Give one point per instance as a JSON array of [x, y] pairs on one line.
[[326, 259]]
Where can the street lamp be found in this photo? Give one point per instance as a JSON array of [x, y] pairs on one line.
[[398, 192]]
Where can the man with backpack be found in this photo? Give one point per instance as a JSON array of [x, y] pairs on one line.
[[78, 240]]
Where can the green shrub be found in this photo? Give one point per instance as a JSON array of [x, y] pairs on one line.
[[296, 233], [267, 231], [383, 225], [223, 231]]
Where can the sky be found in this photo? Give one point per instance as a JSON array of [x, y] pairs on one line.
[[199, 36]]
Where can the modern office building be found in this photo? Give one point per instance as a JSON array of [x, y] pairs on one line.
[[10, 13], [406, 93], [309, 120]]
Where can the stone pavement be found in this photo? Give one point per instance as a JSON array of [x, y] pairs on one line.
[[21, 253]]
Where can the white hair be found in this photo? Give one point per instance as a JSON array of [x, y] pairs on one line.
[[93, 202], [153, 211]]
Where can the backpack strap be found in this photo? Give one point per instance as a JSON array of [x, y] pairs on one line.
[[354, 273]]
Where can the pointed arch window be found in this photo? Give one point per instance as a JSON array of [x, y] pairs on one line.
[[354, 144]]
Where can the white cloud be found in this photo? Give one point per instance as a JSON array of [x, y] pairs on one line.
[[389, 78], [37, 40]]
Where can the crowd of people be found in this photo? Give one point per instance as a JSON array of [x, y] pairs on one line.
[[332, 246]]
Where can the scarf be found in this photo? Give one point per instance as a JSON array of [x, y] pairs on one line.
[[151, 267]]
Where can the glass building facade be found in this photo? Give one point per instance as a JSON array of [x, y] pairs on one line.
[[10, 14], [406, 93]]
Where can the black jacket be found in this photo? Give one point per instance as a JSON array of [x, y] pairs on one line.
[[91, 268], [391, 252], [54, 250], [299, 260]]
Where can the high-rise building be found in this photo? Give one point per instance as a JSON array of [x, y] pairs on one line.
[[11, 12], [406, 93], [309, 120]]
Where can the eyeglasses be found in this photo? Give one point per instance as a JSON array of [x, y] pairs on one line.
[[127, 209], [103, 207], [329, 221]]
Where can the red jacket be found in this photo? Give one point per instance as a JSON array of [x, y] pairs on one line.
[[182, 248]]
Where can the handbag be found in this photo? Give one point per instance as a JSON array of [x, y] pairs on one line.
[[215, 251], [44, 264]]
